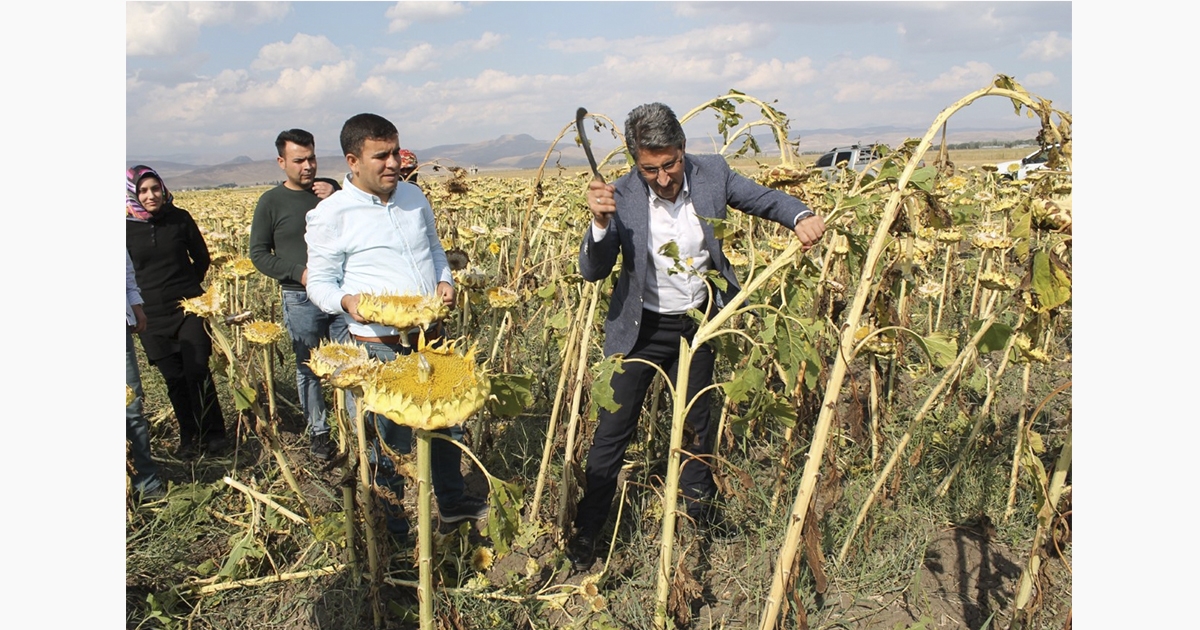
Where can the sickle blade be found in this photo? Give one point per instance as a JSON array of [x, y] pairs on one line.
[[587, 146]]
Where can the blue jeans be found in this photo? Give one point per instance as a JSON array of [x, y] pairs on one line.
[[308, 325], [137, 430], [445, 458]]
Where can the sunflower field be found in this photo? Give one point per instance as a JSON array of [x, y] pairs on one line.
[[894, 417]]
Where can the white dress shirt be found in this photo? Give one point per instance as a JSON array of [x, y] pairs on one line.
[[667, 292], [358, 244]]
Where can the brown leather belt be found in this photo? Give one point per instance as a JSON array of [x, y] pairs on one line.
[[390, 340], [414, 336]]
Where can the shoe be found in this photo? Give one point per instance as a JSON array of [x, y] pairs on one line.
[[467, 508], [322, 448], [186, 451], [216, 446], [152, 491], [581, 550], [712, 523]]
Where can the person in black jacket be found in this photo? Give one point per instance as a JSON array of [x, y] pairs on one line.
[[170, 260]]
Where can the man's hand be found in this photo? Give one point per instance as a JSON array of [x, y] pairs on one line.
[[809, 231], [322, 189], [446, 291], [140, 316], [304, 277], [601, 202], [350, 305]]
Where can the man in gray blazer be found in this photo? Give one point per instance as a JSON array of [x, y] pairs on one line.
[[657, 203]]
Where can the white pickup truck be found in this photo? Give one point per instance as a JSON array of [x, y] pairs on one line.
[[1018, 169]]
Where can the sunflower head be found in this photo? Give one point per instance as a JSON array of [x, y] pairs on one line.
[[240, 267], [502, 297], [482, 559], [470, 278], [402, 311], [207, 305], [344, 365], [431, 388], [991, 239], [736, 258], [264, 333], [997, 281]]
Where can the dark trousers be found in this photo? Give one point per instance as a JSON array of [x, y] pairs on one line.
[[190, 385], [658, 343]]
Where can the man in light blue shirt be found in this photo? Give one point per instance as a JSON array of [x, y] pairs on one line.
[[377, 235]]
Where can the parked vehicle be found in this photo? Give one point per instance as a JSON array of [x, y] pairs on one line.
[[1018, 169], [855, 157]]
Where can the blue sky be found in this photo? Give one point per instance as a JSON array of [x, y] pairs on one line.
[[217, 80]]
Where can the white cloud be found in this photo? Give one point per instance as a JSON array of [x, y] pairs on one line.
[[158, 29], [170, 28], [241, 13], [303, 50], [966, 78], [417, 58], [488, 41], [232, 98], [1048, 48], [714, 41], [405, 14], [1039, 79], [300, 88], [776, 74]]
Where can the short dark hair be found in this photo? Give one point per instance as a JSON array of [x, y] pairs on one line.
[[653, 126], [362, 127], [298, 137]]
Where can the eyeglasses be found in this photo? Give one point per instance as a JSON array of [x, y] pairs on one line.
[[669, 167]]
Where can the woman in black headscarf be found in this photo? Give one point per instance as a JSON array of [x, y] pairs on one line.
[[170, 259]]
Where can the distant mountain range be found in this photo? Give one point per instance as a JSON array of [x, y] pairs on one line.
[[522, 151]]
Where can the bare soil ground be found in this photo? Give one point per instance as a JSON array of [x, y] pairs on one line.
[[965, 577]]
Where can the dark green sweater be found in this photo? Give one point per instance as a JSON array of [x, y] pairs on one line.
[[277, 246]]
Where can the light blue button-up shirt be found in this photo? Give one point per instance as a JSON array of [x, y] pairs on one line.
[[359, 244]]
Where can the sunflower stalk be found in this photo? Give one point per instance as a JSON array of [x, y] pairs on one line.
[[787, 556], [348, 468], [568, 470], [246, 398], [1020, 446], [1049, 495], [569, 364], [270, 378], [984, 414], [949, 375], [707, 331], [424, 530], [366, 495]]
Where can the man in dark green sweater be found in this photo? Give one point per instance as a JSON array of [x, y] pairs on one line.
[[278, 250]]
